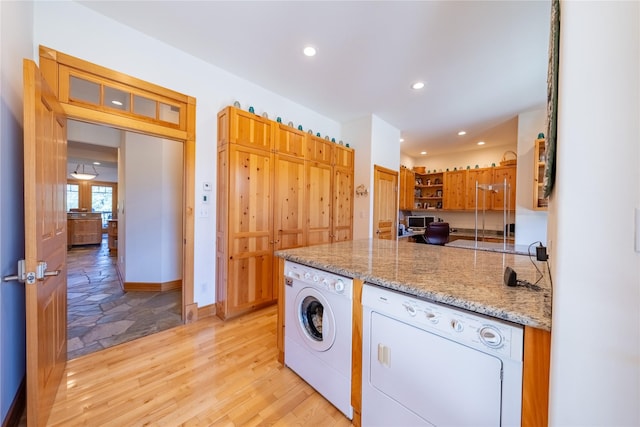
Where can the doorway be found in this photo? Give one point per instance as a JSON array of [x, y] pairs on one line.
[[139, 172], [385, 203]]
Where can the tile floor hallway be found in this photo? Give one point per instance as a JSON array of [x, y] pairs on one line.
[[100, 314]]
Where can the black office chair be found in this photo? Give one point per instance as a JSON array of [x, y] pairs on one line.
[[436, 233]]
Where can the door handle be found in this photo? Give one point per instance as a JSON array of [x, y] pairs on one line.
[[20, 277]]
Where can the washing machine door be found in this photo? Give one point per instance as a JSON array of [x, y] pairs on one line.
[[315, 320]]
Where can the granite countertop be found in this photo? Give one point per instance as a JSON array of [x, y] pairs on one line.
[[469, 279]]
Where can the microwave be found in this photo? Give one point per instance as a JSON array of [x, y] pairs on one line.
[[420, 221]]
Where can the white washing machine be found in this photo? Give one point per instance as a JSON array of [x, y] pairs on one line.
[[318, 316], [428, 364]]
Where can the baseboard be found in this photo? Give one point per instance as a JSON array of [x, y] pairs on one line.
[[206, 311], [152, 287], [17, 406]]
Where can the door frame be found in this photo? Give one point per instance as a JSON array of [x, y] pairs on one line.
[[56, 67]]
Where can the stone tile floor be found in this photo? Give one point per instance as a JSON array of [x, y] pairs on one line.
[[100, 314]]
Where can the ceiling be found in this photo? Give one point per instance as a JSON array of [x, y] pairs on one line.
[[483, 62]]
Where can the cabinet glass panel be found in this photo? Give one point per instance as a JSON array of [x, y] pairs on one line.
[[144, 106], [116, 98], [84, 90], [169, 113]]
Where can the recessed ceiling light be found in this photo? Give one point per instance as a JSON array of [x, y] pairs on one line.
[[417, 85], [96, 163], [401, 139], [462, 132], [114, 102], [480, 142], [309, 51], [423, 152]]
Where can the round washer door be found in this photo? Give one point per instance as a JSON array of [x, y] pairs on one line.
[[315, 320]]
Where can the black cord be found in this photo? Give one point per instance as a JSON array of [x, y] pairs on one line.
[[534, 264]]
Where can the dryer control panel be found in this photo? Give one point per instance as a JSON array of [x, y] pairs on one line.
[[331, 282]]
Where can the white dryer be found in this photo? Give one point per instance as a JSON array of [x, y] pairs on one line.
[[318, 316]]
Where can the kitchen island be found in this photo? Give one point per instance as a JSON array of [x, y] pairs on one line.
[[463, 278]]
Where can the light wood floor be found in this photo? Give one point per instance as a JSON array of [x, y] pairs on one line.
[[209, 373]]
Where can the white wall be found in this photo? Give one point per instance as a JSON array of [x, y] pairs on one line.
[[16, 39], [595, 348], [481, 156], [152, 209], [376, 143], [358, 133], [531, 225], [113, 45]]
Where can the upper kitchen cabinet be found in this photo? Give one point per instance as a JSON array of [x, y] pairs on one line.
[[540, 202], [477, 179], [502, 197], [455, 185], [407, 188], [289, 141]]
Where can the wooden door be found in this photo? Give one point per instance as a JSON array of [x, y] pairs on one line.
[[454, 190], [342, 205], [45, 168], [483, 177], [250, 226], [318, 203], [385, 203]]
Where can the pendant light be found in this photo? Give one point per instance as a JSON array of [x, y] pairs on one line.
[[80, 173]]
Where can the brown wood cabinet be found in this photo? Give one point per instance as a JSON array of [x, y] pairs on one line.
[[455, 189], [407, 189], [84, 228], [329, 191], [540, 202], [277, 188], [112, 236]]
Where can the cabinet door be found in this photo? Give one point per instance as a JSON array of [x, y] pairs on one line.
[[342, 205], [319, 150], [318, 203], [250, 225], [290, 141], [288, 202], [343, 157], [407, 189], [500, 174], [249, 130], [482, 177], [455, 184]]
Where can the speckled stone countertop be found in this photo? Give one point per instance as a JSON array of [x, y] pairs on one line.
[[469, 279]]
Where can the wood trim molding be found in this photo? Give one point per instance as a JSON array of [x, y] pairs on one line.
[[356, 353], [206, 311], [535, 377], [50, 63], [152, 287], [17, 407]]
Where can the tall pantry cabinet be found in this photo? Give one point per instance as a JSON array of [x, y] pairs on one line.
[[276, 190]]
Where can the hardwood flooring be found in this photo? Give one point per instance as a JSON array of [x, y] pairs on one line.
[[208, 373]]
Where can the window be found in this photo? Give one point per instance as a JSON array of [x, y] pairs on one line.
[[102, 201], [73, 196]]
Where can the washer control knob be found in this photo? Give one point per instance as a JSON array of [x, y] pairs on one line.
[[307, 275], [491, 337], [410, 309], [456, 325], [431, 317], [316, 278], [339, 286]]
